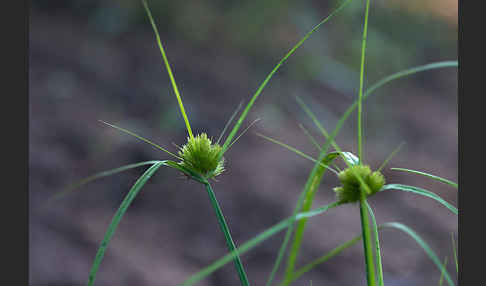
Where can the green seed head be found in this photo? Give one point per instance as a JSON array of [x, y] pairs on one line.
[[201, 156], [349, 191]]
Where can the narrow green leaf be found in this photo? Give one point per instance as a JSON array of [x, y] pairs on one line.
[[118, 216], [169, 70], [296, 151], [254, 242], [229, 121], [389, 157], [441, 280], [269, 76], [379, 264], [407, 72], [422, 192], [243, 133], [96, 176], [424, 246], [455, 252], [141, 138], [304, 203], [311, 138], [306, 268], [437, 178]]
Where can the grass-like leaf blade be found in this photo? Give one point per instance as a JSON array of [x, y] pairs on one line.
[[254, 242], [141, 138], [423, 244], [420, 191], [96, 176], [118, 216], [169, 70], [437, 178], [379, 264], [269, 76]]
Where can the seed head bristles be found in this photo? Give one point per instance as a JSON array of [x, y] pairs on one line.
[[200, 155], [351, 188]]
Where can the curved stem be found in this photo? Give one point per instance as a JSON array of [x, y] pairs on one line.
[[227, 235], [367, 244]]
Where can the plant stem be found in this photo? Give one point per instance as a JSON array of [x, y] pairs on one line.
[[227, 235], [361, 80], [367, 244]]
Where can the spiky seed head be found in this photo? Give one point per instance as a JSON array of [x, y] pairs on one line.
[[349, 191], [201, 155]]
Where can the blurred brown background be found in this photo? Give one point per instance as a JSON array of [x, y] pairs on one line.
[[98, 60]]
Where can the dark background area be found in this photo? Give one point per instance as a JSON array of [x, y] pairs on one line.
[[98, 60]]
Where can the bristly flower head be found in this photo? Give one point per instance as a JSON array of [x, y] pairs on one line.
[[199, 154], [351, 187]]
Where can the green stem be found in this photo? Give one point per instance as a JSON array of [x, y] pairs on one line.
[[227, 235], [361, 83], [367, 244]]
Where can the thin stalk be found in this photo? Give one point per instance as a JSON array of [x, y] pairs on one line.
[[367, 243], [361, 83], [227, 235]]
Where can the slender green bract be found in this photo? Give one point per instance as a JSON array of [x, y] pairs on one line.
[[424, 246], [437, 178], [379, 265], [269, 76], [420, 191], [254, 242], [227, 235], [169, 70], [118, 216]]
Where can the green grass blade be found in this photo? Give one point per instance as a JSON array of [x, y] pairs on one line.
[[296, 151], [441, 280], [304, 203], [169, 70], [454, 252], [384, 81], [407, 72], [389, 157], [254, 242], [118, 216], [420, 191], [269, 76], [96, 176], [306, 268], [379, 264], [243, 133], [437, 178], [229, 122], [424, 246], [227, 235], [361, 83], [141, 138], [311, 138]]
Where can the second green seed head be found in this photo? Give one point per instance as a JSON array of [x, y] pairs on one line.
[[351, 187]]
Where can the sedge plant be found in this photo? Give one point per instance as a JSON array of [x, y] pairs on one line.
[[200, 159], [358, 182]]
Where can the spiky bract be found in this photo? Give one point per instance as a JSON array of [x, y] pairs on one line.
[[201, 156], [351, 187]]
